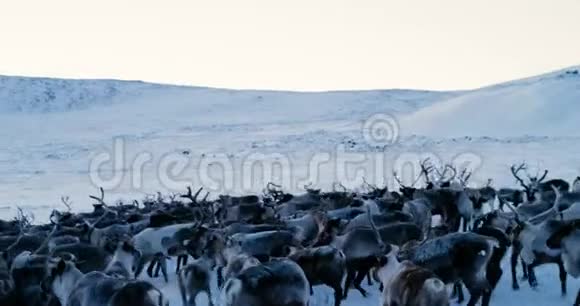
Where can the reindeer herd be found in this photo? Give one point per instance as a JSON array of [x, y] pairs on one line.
[[420, 246]]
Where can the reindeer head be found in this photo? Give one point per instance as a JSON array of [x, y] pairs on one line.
[[128, 255], [408, 190], [61, 280], [576, 184], [531, 188]]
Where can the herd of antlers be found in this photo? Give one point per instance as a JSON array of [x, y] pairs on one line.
[[446, 174]]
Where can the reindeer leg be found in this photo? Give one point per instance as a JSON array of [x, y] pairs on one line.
[[359, 279], [369, 280], [514, 263], [181, 262], [532, 275], [209, 296], [337, 294], [493, 277], [163, 264], [473, 299], [192, 296], [158, 267], [525, 270], [220, 276], [351, 273], [563, 276], [486, 298], [475, 296], [459, 289], [151, 266], [577, 303], [179, 259], [141, 266]]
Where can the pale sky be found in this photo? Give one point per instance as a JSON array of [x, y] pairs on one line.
[[291, 44]]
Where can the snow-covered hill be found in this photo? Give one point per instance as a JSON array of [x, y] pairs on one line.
[[43, 95], [546, 105], [50, 129]]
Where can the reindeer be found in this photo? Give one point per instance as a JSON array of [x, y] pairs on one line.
[[379, 219], [451, 203], [455, 257], [576, 184], [530, 244], [88, 257], [304, 202], [194, 279], [248, 209], [493, 269], [27, 272], [361, 246], [6, 282], [244, 228], [322, 265], [61, 240], [536, 185], [73, 288], [420, 210], [123, 263], [154, 244], [408, 191], [263, 245], [514, 196], [405, 283], [280, 282], [25, 242], [307, 227], [567, 239]]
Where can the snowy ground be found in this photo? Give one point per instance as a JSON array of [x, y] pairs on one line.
[[547, 294], [58, 137]]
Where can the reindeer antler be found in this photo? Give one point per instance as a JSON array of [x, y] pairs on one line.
[[66, 202], [515, 172], [443, 174], [189, 195], [204, 200], [396, 177], [543, 176], [464, 177], [426, 169], [24, 220], [368, 185], [101, 200], [401, 183], [344, 189]]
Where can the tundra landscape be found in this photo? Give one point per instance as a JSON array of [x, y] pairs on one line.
[[129, 193]]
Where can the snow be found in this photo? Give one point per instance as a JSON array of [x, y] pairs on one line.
[[539, 106], [52, 131]]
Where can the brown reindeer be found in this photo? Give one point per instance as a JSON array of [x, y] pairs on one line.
[[405, 283]]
